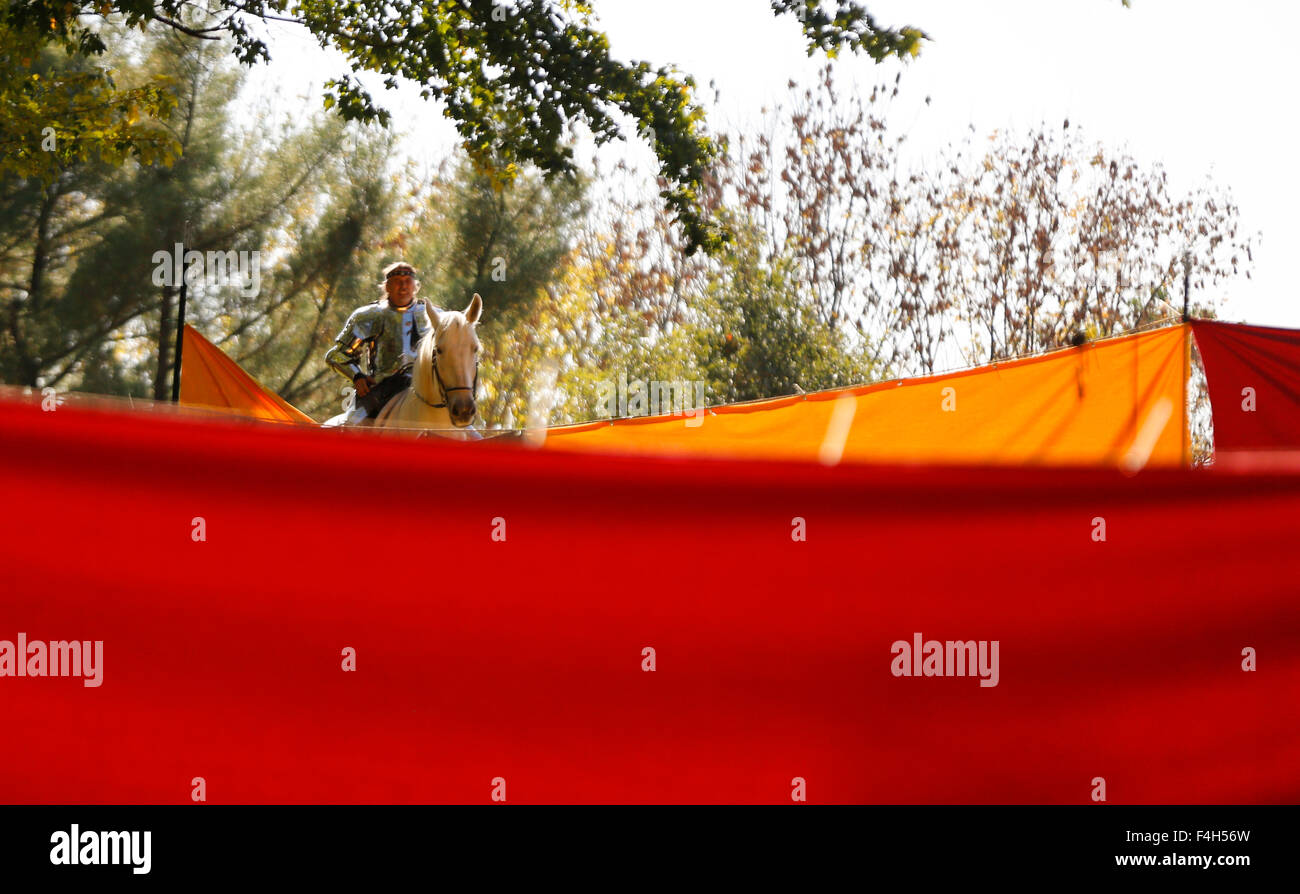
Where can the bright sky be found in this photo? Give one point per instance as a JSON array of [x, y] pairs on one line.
[[1202, 87]]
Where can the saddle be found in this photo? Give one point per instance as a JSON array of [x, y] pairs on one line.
[[379, 396]]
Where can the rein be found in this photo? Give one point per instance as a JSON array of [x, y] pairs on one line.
[[473, 390]]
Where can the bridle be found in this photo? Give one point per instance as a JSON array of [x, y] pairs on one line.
[[442, 387]]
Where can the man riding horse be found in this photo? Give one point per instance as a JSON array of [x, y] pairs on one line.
[[383, 336]]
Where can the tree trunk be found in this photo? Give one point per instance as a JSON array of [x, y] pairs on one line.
[[29, 366], [162, 378]]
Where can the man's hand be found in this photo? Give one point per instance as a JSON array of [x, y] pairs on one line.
[[363, 384]]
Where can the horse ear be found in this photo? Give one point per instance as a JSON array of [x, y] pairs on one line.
[[431, 311], [475, 309]]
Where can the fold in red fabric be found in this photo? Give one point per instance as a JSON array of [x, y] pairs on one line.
[[550, 627], [1253, 374]]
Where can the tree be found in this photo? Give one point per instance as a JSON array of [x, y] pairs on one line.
[[757, 338], [982, 253], [80, 301], [514, 77], [58, 108], [1064, 240], [631, 304], [505, 241], [333, 237], [823, 182]]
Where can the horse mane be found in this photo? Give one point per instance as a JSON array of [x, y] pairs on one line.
[[422, 373]]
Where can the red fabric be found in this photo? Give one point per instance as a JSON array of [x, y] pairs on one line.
[[522, 659], [1237, 357]]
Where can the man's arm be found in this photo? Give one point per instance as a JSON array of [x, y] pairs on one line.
[[344, 356]]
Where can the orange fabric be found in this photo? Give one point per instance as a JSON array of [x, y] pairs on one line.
[[1093, 405], [211, 379]]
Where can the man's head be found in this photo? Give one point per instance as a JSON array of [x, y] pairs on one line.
[[400, 284]]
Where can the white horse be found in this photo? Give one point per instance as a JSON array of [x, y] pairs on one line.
[[444, 379]]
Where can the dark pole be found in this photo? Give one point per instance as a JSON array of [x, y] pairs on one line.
[[180, 324], [1187, 285]]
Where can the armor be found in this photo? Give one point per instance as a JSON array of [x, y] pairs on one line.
[[379, 340]]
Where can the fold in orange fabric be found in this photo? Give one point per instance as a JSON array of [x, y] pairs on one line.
[[211, 379], [1109, 403]]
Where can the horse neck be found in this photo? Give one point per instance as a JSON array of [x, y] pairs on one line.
[[422, 378], [416, 409]]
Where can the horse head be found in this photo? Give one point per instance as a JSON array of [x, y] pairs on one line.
[[453, 347]]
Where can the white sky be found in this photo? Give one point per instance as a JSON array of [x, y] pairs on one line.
[[1202, 87]]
